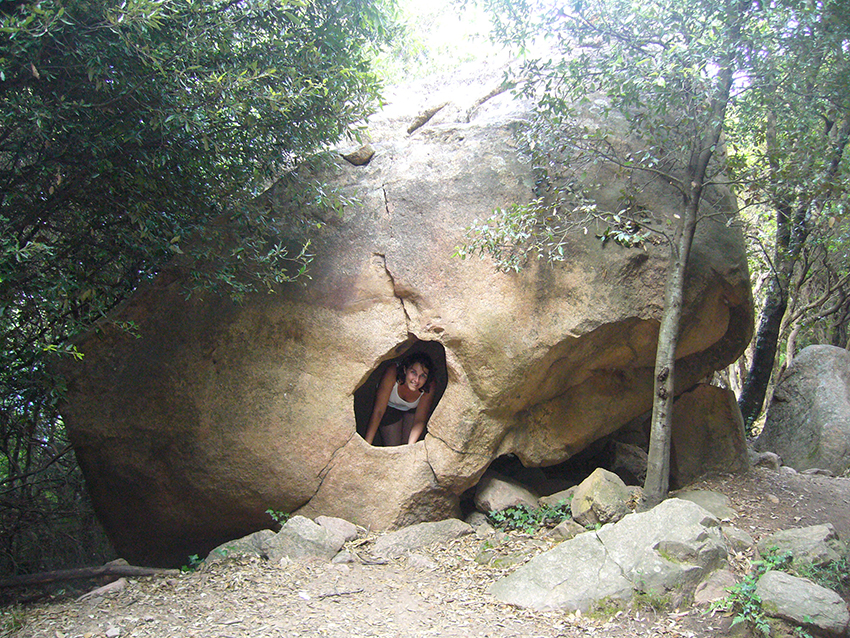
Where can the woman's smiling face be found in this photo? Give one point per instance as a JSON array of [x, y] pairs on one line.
[[416, 376]]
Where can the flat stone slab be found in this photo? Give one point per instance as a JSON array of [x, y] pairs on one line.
[[399, 543], [714, 502]]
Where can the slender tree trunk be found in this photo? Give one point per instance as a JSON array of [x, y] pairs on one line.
[[753, 393], [657, 482]]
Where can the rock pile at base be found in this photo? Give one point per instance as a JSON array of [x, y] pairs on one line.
[[677, 552]]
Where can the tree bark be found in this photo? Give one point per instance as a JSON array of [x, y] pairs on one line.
[[657, 482], [753, 393]]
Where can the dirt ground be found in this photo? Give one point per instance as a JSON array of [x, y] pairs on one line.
[[440, 591]]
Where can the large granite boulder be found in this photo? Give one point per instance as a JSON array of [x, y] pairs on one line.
[[808, 419], [216, 412]]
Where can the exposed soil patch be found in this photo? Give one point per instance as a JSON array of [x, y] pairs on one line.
[[441, 591]]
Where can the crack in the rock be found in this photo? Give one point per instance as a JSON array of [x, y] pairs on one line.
[[386, 199], [395, 289], [434, 479], [455, 450], [444, 442], [607, 559], [323, 473]]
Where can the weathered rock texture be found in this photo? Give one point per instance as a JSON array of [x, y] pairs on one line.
[[495, 492], [808, 419], [707, 436], [601, 498], [218, 412], [815, 546], [671, 547], [803, 602]]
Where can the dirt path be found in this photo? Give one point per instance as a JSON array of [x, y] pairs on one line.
[[441, 591]]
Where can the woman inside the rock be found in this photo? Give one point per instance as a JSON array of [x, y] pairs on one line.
[[403, 401]]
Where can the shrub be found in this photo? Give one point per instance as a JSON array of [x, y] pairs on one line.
[[527, 519]]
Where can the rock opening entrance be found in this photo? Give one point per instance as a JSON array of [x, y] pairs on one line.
[[622, 453], [364, 396]]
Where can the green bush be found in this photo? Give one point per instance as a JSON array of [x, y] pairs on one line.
[[833, 576], [527, 519]]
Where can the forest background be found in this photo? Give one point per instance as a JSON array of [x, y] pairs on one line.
[[131, 130]]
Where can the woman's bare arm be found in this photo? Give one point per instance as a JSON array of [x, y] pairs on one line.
[[420, 418], [382, 397]]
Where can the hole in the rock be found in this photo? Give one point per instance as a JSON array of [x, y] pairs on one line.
[[364, 396], [622, 453]]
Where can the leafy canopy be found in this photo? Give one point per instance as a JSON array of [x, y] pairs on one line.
[[641, 86]]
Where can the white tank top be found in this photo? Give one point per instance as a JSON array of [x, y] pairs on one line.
[[400, 404]]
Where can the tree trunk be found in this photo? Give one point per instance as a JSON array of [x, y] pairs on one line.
[[764, 353], [657, 481], [110, 569]]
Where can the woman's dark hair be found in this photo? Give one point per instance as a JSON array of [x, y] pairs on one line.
[[416, 357]]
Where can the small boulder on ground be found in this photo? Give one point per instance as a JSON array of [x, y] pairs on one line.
[[558, 498], [601, 498], [802, 602], [565, 530], [770, 460], [737, 539], [715, 587], [401, 542], [299, 538], [253, 544], [339, 527], [815, 546], [496, 492]]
